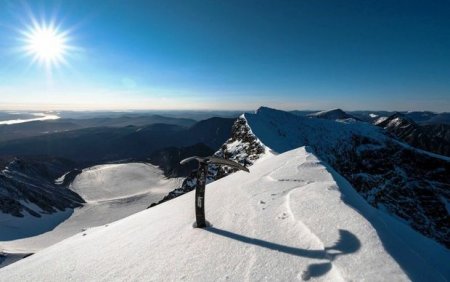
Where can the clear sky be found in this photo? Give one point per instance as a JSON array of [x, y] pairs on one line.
[[229, 54]]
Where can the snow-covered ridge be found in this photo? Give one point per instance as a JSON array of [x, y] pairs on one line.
[[291, 218], [407, 183], [334, 114]]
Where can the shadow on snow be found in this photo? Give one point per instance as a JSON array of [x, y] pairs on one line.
[[348, 243]]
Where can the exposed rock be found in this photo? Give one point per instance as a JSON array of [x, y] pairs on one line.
[[28, 186]]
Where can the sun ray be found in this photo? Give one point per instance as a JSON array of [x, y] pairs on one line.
[[46, 44]]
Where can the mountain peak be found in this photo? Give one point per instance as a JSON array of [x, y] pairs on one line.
[[396, 120], [334, 114]]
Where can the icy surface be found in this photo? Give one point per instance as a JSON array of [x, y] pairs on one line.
[[291, 218]]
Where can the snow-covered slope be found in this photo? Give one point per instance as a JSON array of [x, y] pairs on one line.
[[424, 137], [112, 192], [405, 182], [290, 218], [115, 181], [335, 114]]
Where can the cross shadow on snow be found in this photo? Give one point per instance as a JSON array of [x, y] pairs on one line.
[[348, 243]]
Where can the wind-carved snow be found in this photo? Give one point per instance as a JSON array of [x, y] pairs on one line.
[[291, 218]]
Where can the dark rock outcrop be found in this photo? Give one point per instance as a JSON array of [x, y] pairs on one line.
[[27, 186]]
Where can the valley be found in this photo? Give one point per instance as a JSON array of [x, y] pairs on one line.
[[111, 192]]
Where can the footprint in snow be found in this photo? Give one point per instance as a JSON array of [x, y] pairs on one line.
[[262, 202], [283, 216]]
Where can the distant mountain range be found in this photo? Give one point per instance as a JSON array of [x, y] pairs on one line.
[[102, 144], [425, 130], [35, 128], [29, 166], [433, 137], [371, 152], [421, 118]]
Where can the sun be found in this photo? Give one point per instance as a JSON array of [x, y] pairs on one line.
[[46, 44]]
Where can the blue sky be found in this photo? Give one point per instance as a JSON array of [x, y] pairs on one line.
[[384, 54]]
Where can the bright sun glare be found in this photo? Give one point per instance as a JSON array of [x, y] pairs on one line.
[[46, 44]]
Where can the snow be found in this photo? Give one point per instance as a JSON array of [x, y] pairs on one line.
[[107, 182], [396, 122], [39, 116], [28, 226], [380, 120], [128, 188], [281, 131], [291, 218], [372, 115], [320, 113], [61, 179]]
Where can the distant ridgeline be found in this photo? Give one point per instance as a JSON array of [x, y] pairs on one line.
[[30, 165]]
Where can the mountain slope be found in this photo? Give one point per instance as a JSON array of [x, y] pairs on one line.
[[442, 118], [102, 144], [36, 128], [424, 137], [168, 159], [438, 130], [111, 192], [409, 184], [288, 219], [336, 114], [27, 187]]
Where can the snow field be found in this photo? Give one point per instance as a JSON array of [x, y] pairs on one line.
[[292, 218]]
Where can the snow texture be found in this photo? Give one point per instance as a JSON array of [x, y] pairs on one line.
[[107, 182], [113, 192], [291, 218], [405, 182]]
